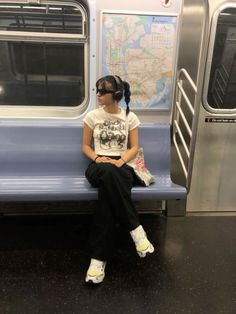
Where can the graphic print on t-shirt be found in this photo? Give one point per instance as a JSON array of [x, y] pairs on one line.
[[112, 134]]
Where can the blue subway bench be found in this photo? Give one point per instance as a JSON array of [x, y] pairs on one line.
[[46, 164]]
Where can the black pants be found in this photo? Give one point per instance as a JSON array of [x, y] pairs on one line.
[[114, 204]]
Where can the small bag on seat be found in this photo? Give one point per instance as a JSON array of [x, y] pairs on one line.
[[141, 171]]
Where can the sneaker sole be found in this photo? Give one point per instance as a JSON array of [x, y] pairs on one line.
[[93, 280]]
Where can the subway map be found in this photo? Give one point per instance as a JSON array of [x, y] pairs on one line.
[[141, 50]]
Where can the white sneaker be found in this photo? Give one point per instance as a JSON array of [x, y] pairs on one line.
[[143, 245], [96, 271]]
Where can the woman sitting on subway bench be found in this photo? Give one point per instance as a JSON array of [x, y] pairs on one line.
[[109, 129]]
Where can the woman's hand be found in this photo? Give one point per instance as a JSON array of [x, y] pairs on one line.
[[117, 162], [103, 159]]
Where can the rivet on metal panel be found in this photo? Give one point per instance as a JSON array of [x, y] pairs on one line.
[[166, 3]]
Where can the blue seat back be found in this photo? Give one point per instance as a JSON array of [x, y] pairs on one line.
[[56, 150], [155, 140], [38, 151]]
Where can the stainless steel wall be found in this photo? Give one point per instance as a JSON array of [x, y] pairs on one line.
[[194, 24], [213, 179]]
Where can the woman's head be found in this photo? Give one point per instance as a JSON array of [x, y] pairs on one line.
[[113, 85]]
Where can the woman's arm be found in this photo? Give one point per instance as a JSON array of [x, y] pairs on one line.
[[87, 138], [134, 145], [130, 153], [86, 145]]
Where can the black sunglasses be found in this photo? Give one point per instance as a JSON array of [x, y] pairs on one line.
[[103, 91]]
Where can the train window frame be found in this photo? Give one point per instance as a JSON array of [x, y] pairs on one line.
[[35, 111], [213, 33]]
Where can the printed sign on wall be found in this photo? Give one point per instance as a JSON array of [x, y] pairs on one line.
[[141, 49]]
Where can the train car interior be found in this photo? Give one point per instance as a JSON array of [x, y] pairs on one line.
[[179, 57]]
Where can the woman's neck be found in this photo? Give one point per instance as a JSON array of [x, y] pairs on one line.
[[112, 109]]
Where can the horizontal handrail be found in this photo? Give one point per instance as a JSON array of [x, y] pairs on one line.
[[184, 119], [182, 138], [180, 112], [194, 87], [186, 98], [180, 157]]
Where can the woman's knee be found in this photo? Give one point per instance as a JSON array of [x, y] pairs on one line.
[[98, 170], [108, 169], [112, 173], [107, 172]]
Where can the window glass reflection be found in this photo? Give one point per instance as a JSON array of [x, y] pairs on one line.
[[222, 85], [41, 74]]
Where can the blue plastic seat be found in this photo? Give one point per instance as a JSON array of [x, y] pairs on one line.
[[46, 164]]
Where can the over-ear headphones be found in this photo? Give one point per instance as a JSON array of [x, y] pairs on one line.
[[118, 94]]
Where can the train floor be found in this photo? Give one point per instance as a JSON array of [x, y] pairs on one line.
[[43, 261]]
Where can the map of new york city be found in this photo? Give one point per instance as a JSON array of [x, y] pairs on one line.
[[140, 49]]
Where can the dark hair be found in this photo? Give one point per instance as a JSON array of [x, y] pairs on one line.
[[123, 88]]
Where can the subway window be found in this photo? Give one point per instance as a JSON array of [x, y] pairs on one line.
[[222, 83], [43, 54]]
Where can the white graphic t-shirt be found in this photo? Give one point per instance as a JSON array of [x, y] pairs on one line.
[[110, 131]]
